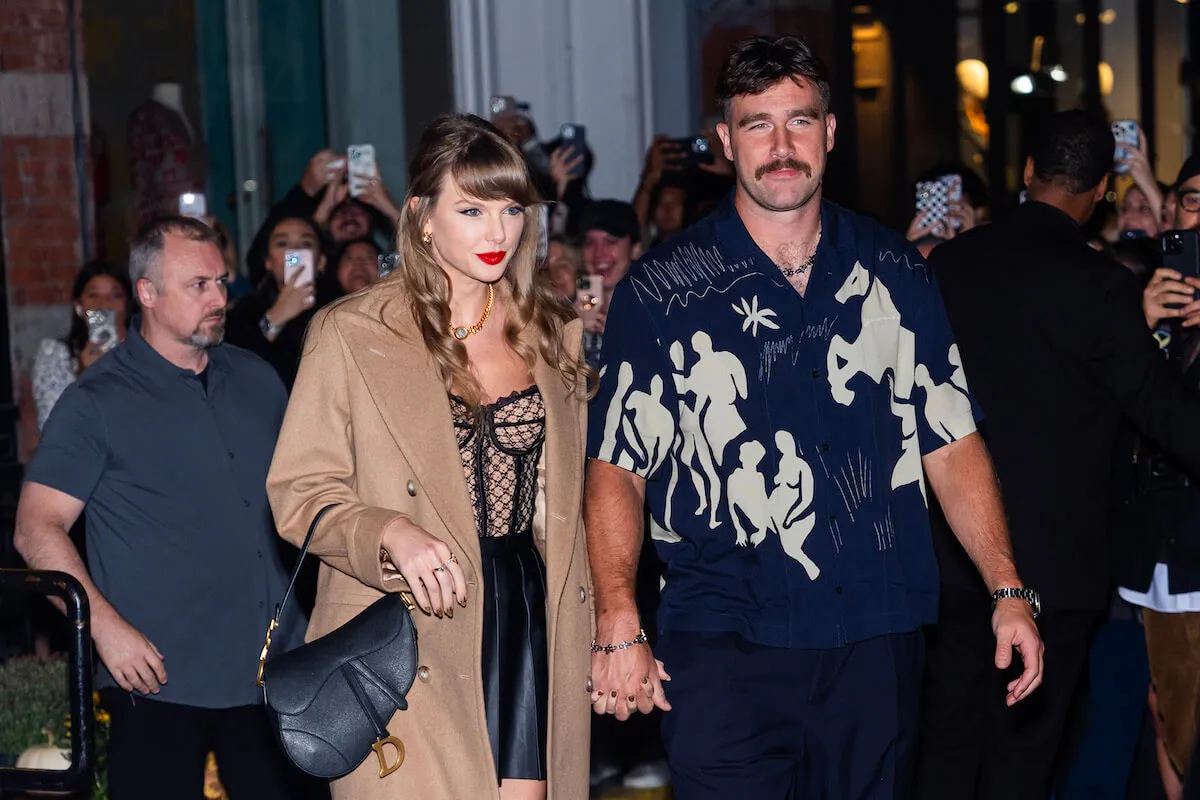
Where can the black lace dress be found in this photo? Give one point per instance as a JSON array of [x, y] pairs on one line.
[[501, 444]]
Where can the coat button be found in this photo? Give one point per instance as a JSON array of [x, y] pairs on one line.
[[423, 674], [412, 489], [582, 595]]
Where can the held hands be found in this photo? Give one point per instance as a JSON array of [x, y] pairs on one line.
[[1169, 288], [133, 660], [426, 563], [628, 680], [1013, 625]]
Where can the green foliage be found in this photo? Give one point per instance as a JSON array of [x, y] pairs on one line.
[[33, 698]]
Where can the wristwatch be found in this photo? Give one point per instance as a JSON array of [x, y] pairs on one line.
[[1028, 595], [269, 329]]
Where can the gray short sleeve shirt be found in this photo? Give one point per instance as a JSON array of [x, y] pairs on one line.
[[172, 467]]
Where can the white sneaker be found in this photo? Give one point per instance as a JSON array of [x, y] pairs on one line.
[[651, 775]]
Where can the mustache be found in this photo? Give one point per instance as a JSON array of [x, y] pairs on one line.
[[782, 163], [217, 315]]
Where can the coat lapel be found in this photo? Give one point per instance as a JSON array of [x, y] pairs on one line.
[[410, 396]]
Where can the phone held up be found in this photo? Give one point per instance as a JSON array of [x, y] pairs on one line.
[[102, 328], [193, 204], [935, 197], [1181, 252], [298, 262], [574, 139], [589, 291], [1128, 136], [694, 151], [361, 169]]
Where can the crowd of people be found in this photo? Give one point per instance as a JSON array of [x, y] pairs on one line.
[[799, 506]]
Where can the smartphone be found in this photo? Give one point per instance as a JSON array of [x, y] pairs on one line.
[[574, 137], [362, 167], [193, 204], [933, 202], [589, 290], [1128, 136], [502, 104], [1181, 252], [695, 150], [299, 262], [102, 328]]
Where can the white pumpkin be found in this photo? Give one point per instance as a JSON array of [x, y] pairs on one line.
[[45, 756]]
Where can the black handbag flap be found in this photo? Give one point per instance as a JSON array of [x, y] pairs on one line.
[[381, 638]]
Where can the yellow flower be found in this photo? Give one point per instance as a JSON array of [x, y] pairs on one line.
[[103, 717]]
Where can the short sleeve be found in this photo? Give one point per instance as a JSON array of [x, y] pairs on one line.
[[946, 410], [633, 419], [73, 450], [52, 374]]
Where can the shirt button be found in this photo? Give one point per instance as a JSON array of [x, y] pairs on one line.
[[423, 674], [816, 373], [824, 447], [412, 489], [260, 553], [838, 589], [582, 595], [261, 604], [832, 519], [246, 503], [231, 455]]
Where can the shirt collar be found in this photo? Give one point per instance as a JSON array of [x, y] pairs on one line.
[[149, 362], [736, 242], [1050, 216]]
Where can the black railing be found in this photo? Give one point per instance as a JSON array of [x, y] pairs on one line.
[[78, 776]]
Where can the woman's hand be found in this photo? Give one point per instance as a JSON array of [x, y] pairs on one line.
[[428, 566], [562, 161], [336, 190], [293, 301]]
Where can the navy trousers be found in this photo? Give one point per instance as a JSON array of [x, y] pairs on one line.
[[774, 723]]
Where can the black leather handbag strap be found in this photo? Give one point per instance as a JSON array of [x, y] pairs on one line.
[[312, 528]]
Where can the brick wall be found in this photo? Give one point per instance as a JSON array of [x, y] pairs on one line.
[[39, 206]]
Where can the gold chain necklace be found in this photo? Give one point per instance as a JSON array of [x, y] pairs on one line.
[[460, 332]]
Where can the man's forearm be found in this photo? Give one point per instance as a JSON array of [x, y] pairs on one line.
[[49, 547], [613, 515], [963, 478]]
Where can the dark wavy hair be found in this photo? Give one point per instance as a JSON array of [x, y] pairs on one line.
[[77, 337], [755, 65]]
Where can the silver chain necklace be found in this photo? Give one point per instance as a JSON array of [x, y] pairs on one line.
[[789, 272]]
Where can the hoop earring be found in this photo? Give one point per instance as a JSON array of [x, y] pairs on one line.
[[427, 237]]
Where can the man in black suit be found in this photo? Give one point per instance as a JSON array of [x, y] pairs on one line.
[[1053, 337]]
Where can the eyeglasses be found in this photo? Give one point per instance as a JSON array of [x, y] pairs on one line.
[[1190, 201]]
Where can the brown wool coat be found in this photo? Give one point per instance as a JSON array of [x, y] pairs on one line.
[[369, 426]]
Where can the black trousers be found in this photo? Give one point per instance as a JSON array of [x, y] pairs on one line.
[[775, 723], [158, 750], [971, 745]]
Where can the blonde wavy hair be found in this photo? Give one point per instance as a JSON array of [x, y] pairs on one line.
[[484, 165]]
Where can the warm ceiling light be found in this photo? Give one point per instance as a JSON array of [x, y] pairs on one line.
[[1081, 18], [1012, 8], [1108, 16], [1106, 78], [973, 77], [1023, 84]]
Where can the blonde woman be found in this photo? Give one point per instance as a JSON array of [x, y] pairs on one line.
[[443, 410]]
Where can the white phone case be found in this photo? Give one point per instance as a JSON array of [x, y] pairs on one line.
[[361, 167], [299, 261]]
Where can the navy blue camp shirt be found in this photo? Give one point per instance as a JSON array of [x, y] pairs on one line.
[[781, 435]]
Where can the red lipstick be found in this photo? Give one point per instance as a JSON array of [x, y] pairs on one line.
[[493, 258]]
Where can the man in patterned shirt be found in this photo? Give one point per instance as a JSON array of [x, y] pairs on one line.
[[776, 385]]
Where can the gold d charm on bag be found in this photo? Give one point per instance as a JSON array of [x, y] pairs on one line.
[[384, 768]]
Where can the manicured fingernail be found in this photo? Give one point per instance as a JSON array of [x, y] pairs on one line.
[[450, 613], [438, 613], [614, 694]]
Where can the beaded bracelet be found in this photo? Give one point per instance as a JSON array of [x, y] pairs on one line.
[[612, 648]]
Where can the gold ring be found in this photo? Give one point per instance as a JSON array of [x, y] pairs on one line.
[[439, 569]]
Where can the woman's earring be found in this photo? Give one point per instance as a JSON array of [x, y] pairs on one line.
[[427, 237]]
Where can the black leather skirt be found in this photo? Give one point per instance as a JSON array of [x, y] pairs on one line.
[[516, 683]]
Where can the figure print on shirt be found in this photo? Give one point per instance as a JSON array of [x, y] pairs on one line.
[[884, 348], [790, 499], [947, 405], [719, 381], [688, 449]]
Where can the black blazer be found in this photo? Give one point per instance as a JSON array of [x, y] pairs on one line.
[[1055, 348]]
